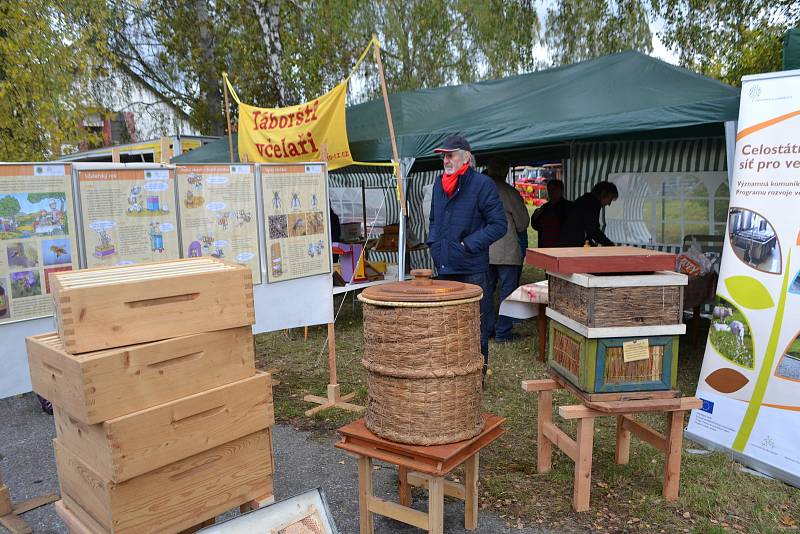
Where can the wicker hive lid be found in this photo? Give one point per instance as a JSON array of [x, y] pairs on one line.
[[422, 289]]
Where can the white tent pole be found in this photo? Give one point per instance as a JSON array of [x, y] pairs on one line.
[[730, 149], [405, 167]]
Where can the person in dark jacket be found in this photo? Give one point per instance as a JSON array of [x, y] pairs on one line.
[[506, 255], [467, 216], [583, 217], [548, 219], [336, 226]]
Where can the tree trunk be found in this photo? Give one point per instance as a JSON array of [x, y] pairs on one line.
[[268, 14], [209, 80]]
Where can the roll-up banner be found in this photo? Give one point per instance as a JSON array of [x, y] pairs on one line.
[[750, 380]]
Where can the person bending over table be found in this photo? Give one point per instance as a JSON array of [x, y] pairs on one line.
[[582, 224]]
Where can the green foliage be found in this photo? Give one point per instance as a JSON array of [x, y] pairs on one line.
[[794, 348], [9, 207], [584, 29], [726, 343], [430, 43], [181, 48], [727, 39], [48, 52], [33, 198]]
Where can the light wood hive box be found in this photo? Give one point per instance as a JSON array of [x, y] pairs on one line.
[[597, 365], [99, 386], [131, 445], [603, 301], [118, 306], [171, 498]]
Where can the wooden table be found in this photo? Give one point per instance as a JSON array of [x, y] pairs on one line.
[[619, 405], [418, 466], [534, 296]]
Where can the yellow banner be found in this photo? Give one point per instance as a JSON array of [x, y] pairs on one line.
[[296, 134]]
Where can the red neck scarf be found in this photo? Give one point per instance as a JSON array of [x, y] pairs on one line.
[[449, 181]]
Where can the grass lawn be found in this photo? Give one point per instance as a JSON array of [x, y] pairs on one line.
[[715, 495]]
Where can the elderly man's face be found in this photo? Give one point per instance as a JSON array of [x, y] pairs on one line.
[[454, 160]]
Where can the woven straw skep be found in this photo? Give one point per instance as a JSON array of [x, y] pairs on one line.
[[424, 371], [422, 342], [428, 411]]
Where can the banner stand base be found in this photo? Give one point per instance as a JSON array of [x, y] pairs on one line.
[[762, 467], [333, 400]]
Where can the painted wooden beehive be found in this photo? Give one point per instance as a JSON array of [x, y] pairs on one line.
[[616, 331], [599, 365], [612, 333]]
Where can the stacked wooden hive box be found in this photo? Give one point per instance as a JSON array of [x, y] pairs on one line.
[[615, 317], [162, 420]]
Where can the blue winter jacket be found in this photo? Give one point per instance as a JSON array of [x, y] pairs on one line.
[[473, 216]]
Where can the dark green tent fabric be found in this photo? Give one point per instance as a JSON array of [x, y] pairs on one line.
[[612, 95], [791, 49]]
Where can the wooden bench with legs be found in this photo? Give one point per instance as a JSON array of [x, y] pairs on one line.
[[619, 405], [418, 466]]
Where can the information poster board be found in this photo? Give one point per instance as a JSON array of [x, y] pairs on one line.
[[128, 215], [218, 213], [750, 380], [37, 236], [296, 217]]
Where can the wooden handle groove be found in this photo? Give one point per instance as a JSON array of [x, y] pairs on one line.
[[172, 360], [179, 421], [161, 300]]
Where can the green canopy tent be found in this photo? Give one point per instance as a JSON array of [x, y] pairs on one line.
[[623, 112], [612, 95], [791, 49]]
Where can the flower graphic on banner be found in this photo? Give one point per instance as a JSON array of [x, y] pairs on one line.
[[750, 293]]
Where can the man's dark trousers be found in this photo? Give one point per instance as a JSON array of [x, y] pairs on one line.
[[482, 280], [508, 276]]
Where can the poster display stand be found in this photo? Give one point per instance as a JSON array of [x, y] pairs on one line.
[[334, 398], [127, 214], [108, 214], [218, 213], [37, 236]]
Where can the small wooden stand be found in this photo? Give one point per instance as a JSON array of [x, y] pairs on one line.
[[334, 399], [418, 466], [621, 406], [9, 514]]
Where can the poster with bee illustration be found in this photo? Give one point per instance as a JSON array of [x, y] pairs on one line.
[[128, 215], [218, 213], [297, 219], [36, 236]]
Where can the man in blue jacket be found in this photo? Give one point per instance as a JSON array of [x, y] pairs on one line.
[[466, 217]]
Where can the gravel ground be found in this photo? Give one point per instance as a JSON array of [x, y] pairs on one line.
[[28, 469]]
